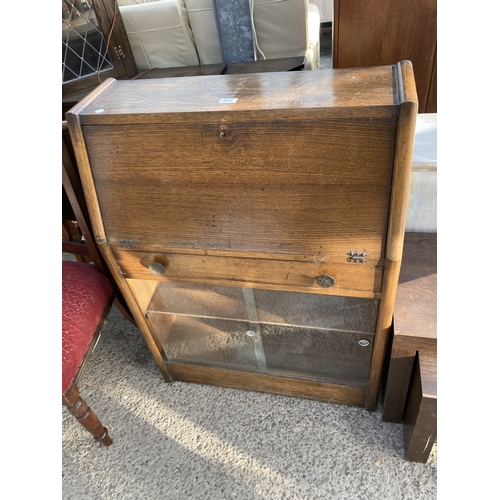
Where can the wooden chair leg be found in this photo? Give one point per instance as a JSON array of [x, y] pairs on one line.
[[80, 410], [123, 308]]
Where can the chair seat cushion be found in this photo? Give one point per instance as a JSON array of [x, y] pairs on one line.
[[85, 293]]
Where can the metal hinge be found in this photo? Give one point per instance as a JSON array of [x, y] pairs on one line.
[[119, 52], [127, 243], [357, 256]]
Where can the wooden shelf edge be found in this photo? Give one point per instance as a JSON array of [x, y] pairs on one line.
[[321, 391]]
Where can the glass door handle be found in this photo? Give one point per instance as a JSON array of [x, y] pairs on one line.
[[255, 329]]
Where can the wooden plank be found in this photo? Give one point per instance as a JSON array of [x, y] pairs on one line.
[[354, 279], [350, 395], [432, 96], [415, 321], [276, 187], [415, 318], [397, 384], [397, 221], [361, 92], [420, 420], [379, 32]]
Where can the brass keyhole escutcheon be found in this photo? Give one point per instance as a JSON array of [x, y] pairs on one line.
[[325, 281]]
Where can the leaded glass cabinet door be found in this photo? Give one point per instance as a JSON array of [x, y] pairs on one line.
[[94, 44]]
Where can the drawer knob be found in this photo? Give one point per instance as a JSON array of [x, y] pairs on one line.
[[157, 268], [155, 264], [325, 281]]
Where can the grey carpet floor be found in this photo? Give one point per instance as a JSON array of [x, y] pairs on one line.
[[186, 441]]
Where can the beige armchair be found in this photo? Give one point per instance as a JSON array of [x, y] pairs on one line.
[[170, 33]]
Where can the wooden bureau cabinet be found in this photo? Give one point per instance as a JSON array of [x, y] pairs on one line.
[[255, 222]]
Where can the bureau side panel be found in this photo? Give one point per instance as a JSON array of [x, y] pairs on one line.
[[300, 187]]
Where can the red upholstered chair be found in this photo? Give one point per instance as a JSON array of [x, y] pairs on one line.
[[77, 234], [87, 296], [88, 292]]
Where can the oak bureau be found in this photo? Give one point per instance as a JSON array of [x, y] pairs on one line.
[[255, 222]]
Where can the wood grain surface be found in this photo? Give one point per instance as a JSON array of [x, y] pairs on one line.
[[420, 419], [311, 187], [350, 279], [359, 92], [378, 32], [415, 314], [415, 319], [346, 394], [261, 180]]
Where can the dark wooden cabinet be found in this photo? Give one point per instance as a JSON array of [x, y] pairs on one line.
[[255, 222], [95, 45], [379, 32]]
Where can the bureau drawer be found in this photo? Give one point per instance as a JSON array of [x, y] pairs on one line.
[[356, 279]]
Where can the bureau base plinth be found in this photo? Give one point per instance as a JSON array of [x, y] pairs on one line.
[[309, 389]]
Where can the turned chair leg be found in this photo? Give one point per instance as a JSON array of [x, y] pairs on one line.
[[80, 410]]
